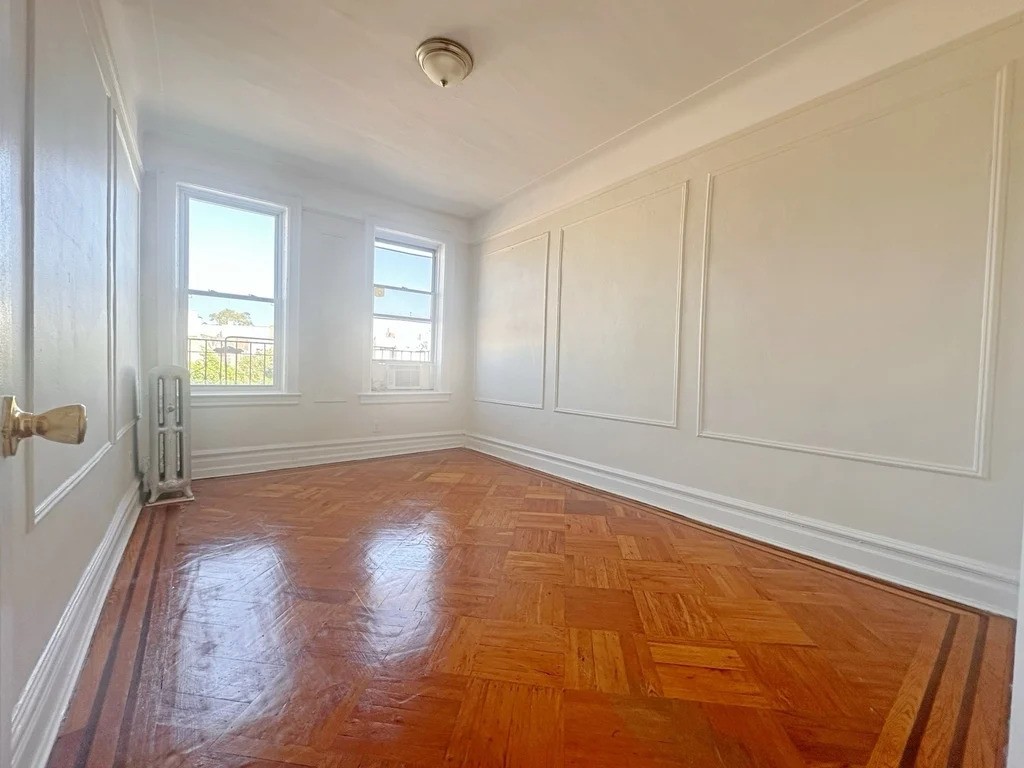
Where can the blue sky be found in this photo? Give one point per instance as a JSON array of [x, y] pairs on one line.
[[232, 251]]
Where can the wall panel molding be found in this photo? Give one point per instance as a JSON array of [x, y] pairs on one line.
[[997, 193], [44, 507], [512, 403], [96, 26], [69, 240], [125, 429], [546, 237], [112, 139], [673, 421], [117, 319], [965, 580]]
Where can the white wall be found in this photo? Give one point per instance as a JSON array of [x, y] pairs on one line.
[[327, 416], [82, 346], [848, 328]]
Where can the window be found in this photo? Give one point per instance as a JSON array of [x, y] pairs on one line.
[[233, 259], [404, 315]]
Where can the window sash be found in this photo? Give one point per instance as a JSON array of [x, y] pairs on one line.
[[384, 243], [388, 287], [237, 296], [412, 250], [429, 309], [188, 193]]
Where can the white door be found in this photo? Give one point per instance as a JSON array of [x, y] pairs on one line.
[[13, 356], [69, 205]]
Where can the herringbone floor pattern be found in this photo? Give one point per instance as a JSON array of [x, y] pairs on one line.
[[449, 609]]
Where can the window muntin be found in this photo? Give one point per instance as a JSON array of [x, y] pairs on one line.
[[404, 302], [233, 261]]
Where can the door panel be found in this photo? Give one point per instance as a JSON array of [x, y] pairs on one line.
[[12, 314], [69, 198], [70, 351]]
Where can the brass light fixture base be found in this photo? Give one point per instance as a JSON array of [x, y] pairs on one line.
[[444, 61]]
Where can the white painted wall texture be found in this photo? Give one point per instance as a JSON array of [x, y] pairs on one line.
[[851, 343]]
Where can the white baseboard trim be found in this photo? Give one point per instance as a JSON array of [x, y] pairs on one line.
[[38, 712], [260, 458], [961, 579]]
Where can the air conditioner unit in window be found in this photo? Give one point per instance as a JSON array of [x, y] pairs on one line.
[[409, 376]]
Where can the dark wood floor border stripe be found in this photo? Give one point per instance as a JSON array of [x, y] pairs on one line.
[[140, 653], [932, 601], [85, 746], [963, 720], [924, 711]]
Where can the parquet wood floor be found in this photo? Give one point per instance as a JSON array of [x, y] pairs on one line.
[[447, 609]]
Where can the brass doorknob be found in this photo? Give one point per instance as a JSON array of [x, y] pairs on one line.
[[61, 425]]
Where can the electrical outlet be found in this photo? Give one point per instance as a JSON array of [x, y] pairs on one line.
[[376, 428]]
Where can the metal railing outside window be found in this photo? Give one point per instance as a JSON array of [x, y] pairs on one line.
[[232, 360]]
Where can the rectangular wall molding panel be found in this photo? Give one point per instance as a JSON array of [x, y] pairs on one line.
[[511, 324], [873, 248], [71, 262], [620, 277]]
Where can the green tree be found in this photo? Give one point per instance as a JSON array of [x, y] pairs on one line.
[[246, 368], [209, 369], [230, 317]]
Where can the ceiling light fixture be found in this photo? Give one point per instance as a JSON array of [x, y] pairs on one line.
[[444, 61]]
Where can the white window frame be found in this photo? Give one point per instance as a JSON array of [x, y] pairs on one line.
[[437, 392], [283, 388]]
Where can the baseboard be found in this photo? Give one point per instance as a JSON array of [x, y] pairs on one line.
[[260, 458], [38, 712], [961, 579]]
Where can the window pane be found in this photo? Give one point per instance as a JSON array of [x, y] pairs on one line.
[[401, 340], [230, 341], [230, 250], [403, 270], [390, 301]]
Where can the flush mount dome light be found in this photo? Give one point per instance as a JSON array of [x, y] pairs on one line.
[[444, 61]]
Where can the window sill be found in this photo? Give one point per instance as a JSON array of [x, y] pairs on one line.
[[202, 399], [369, 398]]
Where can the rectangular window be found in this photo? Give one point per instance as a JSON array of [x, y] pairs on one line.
[[233, 257], [404, 315]]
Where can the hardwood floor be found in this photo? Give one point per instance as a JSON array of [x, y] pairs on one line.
[[450, 609]]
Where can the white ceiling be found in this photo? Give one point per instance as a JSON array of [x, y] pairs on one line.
[[335, 82]]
